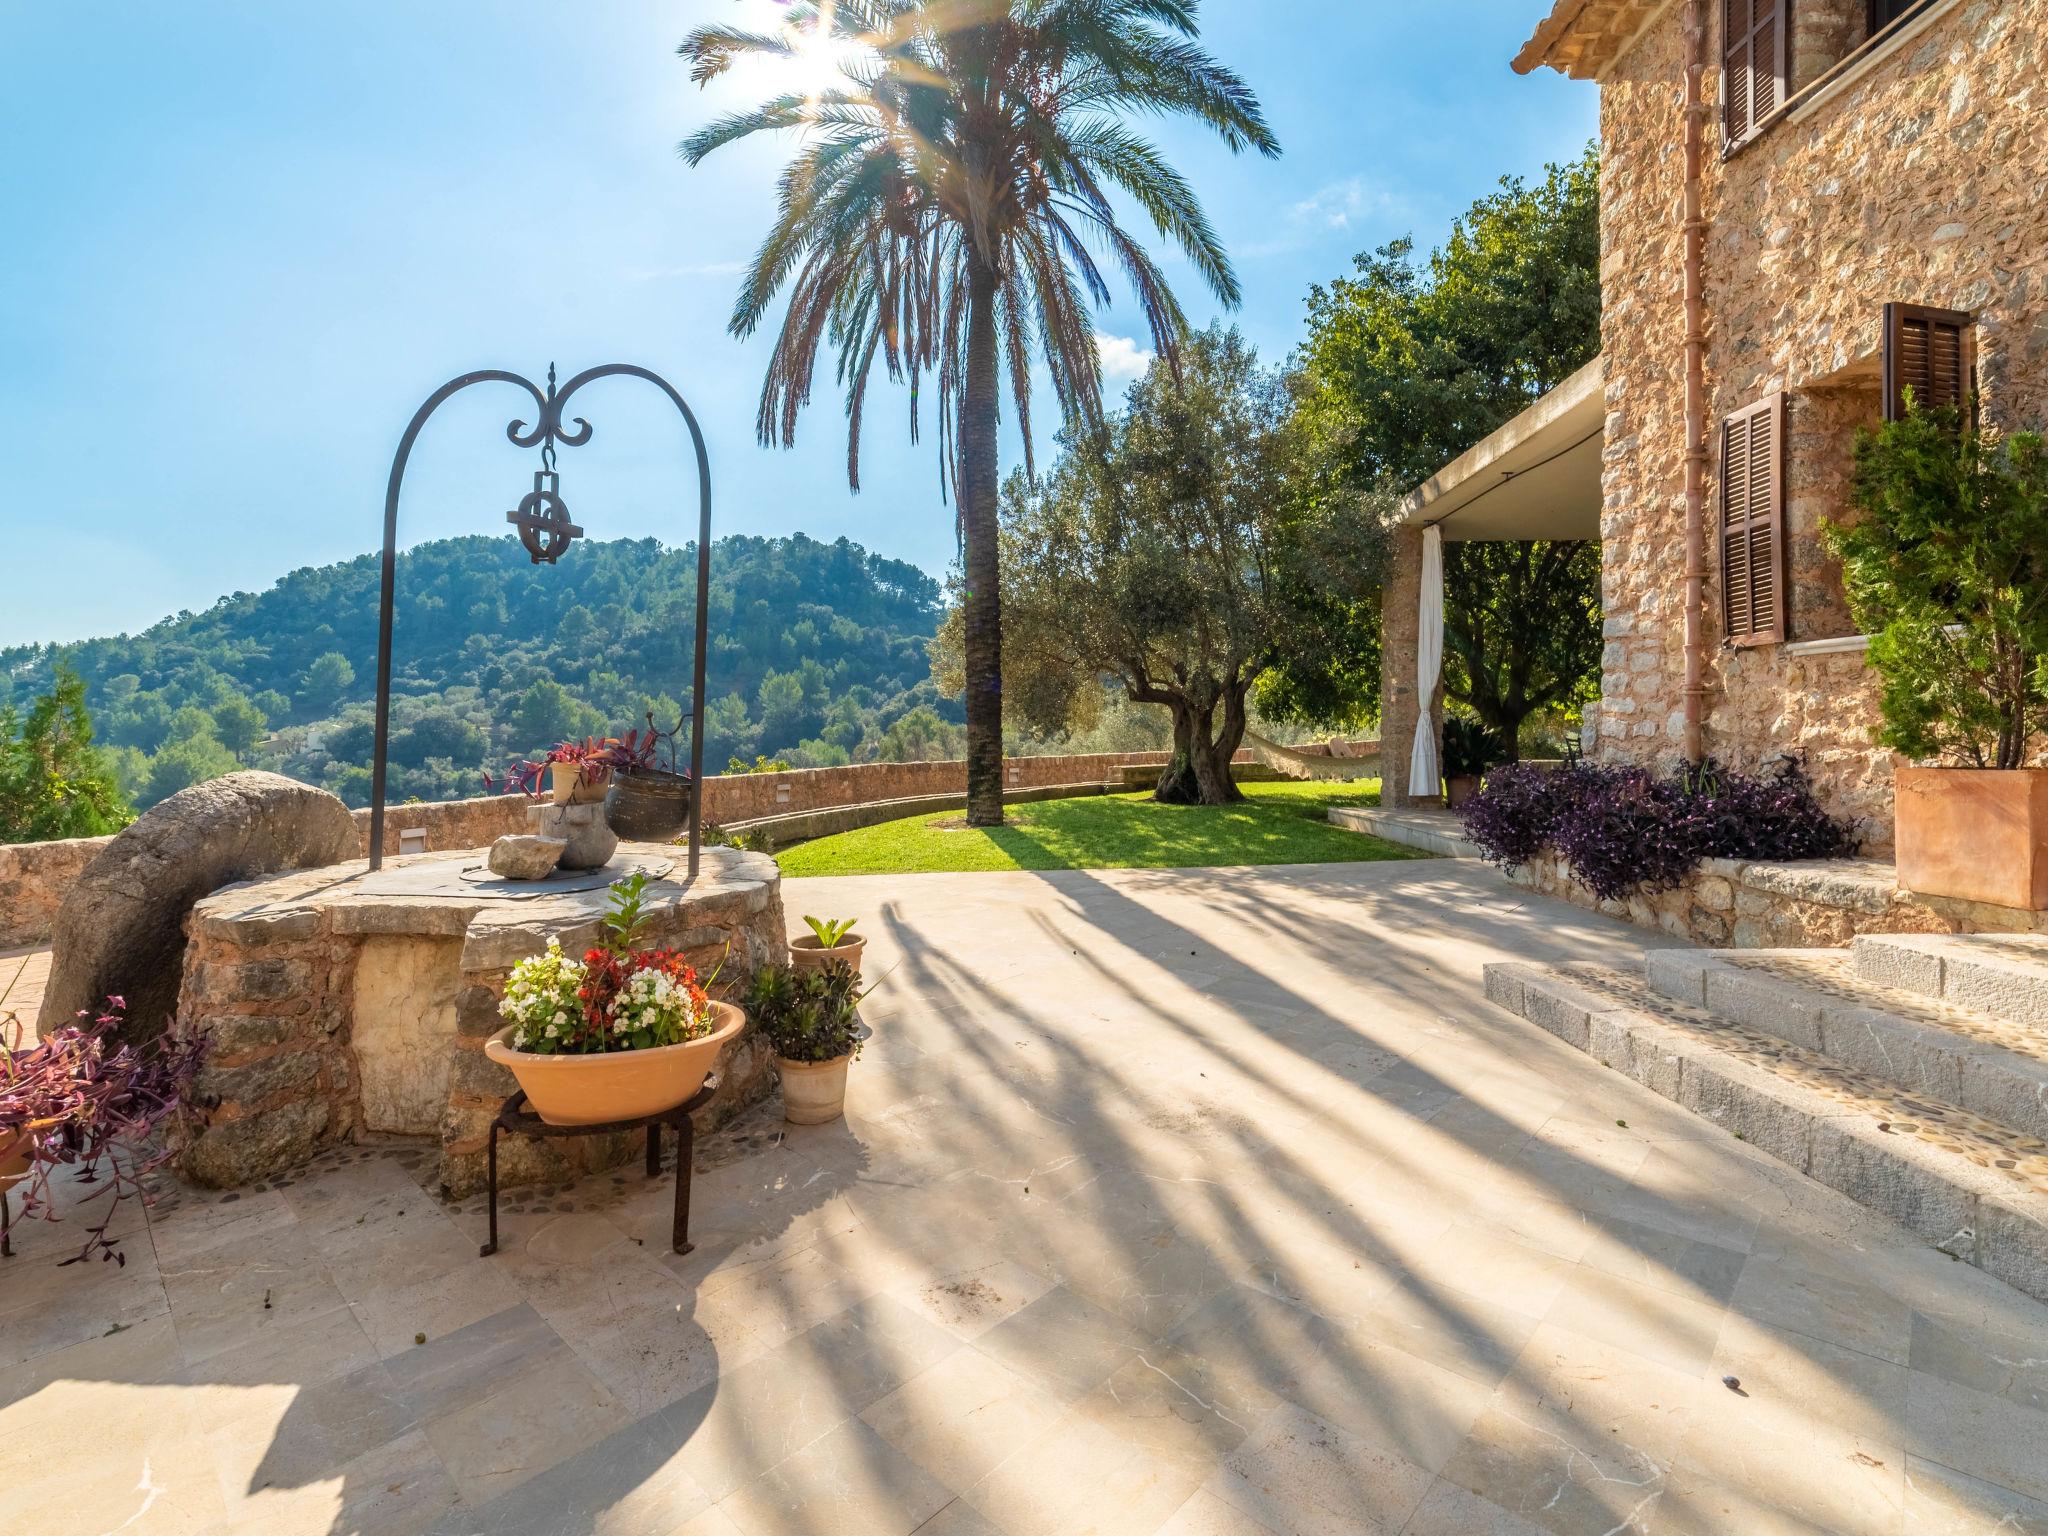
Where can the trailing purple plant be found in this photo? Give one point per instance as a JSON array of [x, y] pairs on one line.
[[80, 1098], [1623, 830]]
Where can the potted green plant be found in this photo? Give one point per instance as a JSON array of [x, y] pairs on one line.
[[811, 1017], [1470, 749], [831, 941], [623, 1032], [1947, 572]]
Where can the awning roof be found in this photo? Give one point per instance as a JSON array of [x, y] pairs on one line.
[[1538, 477], [1583, 38]]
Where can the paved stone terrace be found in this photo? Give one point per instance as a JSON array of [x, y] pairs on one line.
[[1190, 1203]]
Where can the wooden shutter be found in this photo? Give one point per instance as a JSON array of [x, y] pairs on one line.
[[1932, 352], [1755, 65], [1753, 524]]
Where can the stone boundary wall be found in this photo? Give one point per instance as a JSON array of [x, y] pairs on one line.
[[35, 876], [33, 880], [1729, 904]]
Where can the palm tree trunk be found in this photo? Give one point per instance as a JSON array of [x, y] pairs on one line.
[[982, 609]]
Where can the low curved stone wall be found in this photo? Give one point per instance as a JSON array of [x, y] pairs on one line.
[[33, 880], [35, 876]]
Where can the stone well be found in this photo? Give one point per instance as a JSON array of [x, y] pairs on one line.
[[344, 1005]]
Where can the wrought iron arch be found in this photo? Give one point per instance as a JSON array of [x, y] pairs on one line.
[[546, 531]]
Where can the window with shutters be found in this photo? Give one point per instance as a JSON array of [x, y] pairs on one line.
[[1929, 354], [1755, 65], [1884, 12], [1753, 524]]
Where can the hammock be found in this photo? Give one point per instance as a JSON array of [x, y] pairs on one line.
[[1311, 765]]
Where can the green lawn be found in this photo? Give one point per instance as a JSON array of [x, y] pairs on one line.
[[1277, 824]]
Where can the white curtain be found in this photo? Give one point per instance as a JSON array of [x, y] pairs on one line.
[[1423, 778]]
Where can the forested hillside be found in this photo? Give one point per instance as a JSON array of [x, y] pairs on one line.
[[817, 655]]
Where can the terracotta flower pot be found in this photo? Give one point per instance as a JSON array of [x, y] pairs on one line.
[[813, 1092], [807, 954], [1979, 834], [615, 1085], [1460, 788], [17, 1149], [568, 786]]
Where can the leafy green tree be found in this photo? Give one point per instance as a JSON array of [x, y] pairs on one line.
[[188, 760], [1407, 365], [1171, 550], [944, 212], [238, 725], [53, 782], [1947, 571], [326, 680]]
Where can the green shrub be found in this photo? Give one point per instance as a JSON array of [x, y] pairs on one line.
[[1947, 572], [808, 1015]]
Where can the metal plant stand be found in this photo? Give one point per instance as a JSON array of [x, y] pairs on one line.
[[514, 1120]]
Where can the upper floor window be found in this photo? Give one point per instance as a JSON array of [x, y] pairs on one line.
[[1884, 12], [1756, 64]]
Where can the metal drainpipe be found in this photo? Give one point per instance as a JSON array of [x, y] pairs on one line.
[[1695, 384]]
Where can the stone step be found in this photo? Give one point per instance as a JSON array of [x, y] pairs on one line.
[[2003, 975], [1974, 1188], [1818, 1000]]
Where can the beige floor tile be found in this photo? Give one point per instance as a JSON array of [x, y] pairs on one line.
[[539, 1419], [1302, 1475], [1102, 1486], [1580, 1436], [963, 1417], [1661, 1325], [1991, 1438], [1941, 1501], [1448, 1510], [1207, 1515], [848, 1480], [1496, 1269]]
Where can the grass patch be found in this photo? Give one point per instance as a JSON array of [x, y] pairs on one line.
[[1275, 824]]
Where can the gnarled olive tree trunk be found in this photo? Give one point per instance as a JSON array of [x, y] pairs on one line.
[[1203, 745]]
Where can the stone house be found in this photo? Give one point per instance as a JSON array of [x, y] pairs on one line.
[[1807, 207]]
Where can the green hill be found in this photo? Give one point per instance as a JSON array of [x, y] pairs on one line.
[[817, 655]]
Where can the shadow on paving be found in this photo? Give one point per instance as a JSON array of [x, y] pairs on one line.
[[1267, 1236]]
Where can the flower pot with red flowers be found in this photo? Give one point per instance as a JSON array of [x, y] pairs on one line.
[[624, 1032]]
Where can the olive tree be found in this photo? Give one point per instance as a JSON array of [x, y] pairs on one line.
[[1179, 551]]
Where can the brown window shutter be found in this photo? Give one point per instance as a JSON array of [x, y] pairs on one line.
[[1756, 65], [1753, 598], [1932, 352]]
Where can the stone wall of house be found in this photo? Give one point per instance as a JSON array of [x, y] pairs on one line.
[[1920, 180], [1729, 904]]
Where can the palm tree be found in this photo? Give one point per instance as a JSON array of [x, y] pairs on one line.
[[950, 204]]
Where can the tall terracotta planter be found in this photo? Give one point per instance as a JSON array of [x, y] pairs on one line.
[[1978, 834]]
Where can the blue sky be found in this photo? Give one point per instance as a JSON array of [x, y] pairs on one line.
[[245, 240]]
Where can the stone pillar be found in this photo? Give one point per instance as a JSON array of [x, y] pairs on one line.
[[1399, 622]]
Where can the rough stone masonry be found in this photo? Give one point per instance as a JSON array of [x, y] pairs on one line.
[[1920, 177]]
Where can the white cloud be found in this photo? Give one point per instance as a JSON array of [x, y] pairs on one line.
[[1336, 205], [1122, 358]]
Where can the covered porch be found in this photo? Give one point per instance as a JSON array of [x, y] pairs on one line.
[[1537, 477]]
